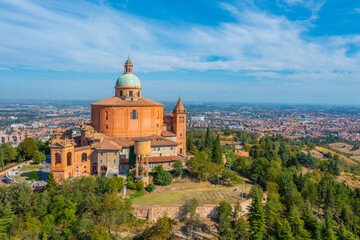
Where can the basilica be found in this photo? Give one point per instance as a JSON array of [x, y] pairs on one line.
[[106, 145]]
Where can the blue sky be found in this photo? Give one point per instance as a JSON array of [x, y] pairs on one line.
[[280, 51]]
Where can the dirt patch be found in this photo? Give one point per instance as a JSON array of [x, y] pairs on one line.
[[352, 180], [325, 151]]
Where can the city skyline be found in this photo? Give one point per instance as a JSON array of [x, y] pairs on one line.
[[289, 51]]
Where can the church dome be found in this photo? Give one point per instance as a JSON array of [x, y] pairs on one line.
[[128, 79]]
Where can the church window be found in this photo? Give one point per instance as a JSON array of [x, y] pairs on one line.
[[107, 127], [106, 115], [69, 158], [134, 114], [58, 159], [121, 93], [130, 93], [83, 157]]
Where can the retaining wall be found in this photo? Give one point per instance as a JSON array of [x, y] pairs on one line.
[[205, 211]]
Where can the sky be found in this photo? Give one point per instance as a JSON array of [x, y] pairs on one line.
[[280, 51]]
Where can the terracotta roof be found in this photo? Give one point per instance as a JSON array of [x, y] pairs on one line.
[[179, 106], [116, 101], [82, 148], [156, 141], [167, 133], [108, 144]]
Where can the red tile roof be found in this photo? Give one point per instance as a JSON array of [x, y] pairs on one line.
[[116, 101]]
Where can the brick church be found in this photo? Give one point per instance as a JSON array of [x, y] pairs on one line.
[[106, 146]]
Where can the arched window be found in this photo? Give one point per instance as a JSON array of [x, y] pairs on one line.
[[84, 157], [134, 114], [69, 159], [57, 159]]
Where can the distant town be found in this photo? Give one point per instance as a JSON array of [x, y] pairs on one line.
[[39, 119]]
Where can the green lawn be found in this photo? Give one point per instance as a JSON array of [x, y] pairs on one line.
[[35, 167], [204, 194]]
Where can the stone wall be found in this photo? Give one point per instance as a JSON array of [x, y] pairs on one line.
[[206, 211]]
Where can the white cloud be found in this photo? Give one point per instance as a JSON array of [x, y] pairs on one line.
[[86, 37]]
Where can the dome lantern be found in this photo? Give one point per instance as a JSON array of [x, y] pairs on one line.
[[128, 86]]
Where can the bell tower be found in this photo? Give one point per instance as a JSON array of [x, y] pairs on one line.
[[179, 126]]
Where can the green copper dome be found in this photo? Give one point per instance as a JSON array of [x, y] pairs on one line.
[[128, 79]]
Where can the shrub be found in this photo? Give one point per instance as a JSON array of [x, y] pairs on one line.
[[131, 185], [33, 175], [163, 178], [140, 185], [150, 188]]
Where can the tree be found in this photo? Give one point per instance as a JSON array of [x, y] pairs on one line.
[[51, 182], [64, 212], [43, 147], [216, 151], [190, 142], [191, 217], [27, 148], [274, 210], [140, 185], [162, 177], [99, 233], [258, 169], [39, 157], [328, 227], [6, 219], [257, 215], [296, 223], [150, 188], [224, 212], [200, 166], [208, 140], [311, 223], [33, 175], [240, 225], [160, 230], [285, 233], [9, 152], [1, 157], [178, 168], [114, 184]]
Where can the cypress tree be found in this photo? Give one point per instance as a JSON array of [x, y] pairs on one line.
[[328, 228], [285, 233], [190, 142], [257, 215], [6, 219], [216, 151], [240, 225], [208, 141], [51, 182], [1, 158]]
